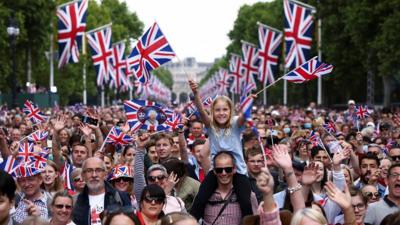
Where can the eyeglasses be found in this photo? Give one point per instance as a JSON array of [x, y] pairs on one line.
[[221, 169], [359, 206], [394, 175], [395, 157], [371, 194], [157, 200], [96, 170], [155, 178], [124, 179], [61, 206], [77, 179]]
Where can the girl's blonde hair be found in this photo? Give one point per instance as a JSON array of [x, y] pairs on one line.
[[214, 124], [312, 214]]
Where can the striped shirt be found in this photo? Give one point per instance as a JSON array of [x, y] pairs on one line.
[[231, 215], [21, 210]]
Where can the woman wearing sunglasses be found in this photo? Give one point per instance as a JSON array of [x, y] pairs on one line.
[[121, 178], [152, 202], [371, 193], [61, 208]]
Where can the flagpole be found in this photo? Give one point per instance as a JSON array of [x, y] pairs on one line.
[[319, 99], [84, 70], [285, 89], [271, 84], [265, 97], [104, 142]]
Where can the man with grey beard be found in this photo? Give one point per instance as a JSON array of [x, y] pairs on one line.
[[97, 195]]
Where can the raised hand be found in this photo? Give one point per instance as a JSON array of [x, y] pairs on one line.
[[310, 174], [59, 123], [281, 157], [265, 182], [193, 85], [343, 199], [86, 130], [171, 182]]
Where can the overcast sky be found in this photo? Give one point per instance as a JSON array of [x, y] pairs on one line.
[[194, 28]]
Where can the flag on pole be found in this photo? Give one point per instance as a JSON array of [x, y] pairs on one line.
[[298, 32], [310, 70], [9, 164], [268, 53], [235, 65], [33, 113], [151, 51], [249, 63], [102, 55], [118, 75], [330, 127], [362, 112], [39, 135], [117, 137], [71, 28]]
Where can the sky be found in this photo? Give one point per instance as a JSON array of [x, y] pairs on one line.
[[194, 28]]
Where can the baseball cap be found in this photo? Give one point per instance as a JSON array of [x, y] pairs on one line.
[[351, 102]]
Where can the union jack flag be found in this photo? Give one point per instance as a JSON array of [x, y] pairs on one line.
[[250, 63], [118, 77], [298, 32], [66, 175], [25, 152], [121, 171], [151, 51], [245, 105], [39, 135], [40, 159], [247, 89], [175, 121], [330, 127], [26, 170], [9, 164], [71, 27], [117, 137], [315, 139], [136, 117], [235, 65], [223, 81], [192, 109], [102, 55], [33, 113], [268, 53], [310, 70], [362, 112]]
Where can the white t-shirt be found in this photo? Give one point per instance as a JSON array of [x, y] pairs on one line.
[[96, 203]]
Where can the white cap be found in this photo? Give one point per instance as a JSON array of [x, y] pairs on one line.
[[351, 102], [275, 113]]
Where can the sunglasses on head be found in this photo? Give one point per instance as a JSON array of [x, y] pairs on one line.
[[221, 169], [150, 199], [124, 179], [371, 194], [61, 206], [155, 178]]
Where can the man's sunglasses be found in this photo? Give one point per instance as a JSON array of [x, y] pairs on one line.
[[157, 200], [221, 169], [155, 178], [61, 206], [371, 194]]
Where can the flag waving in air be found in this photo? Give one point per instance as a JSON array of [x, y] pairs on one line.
[[310, 70], [235, 65], [71, 27], [362, 112], [151, 51], [117, 137], [118, 75], [298, 32], [268, 53], [249, 63], [102, 54], [33, 113]]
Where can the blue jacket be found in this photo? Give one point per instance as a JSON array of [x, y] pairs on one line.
[[81, 211]]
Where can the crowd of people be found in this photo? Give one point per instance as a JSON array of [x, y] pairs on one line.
[[281, 165]]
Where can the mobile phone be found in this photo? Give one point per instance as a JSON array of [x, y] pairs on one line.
[[89, 120]]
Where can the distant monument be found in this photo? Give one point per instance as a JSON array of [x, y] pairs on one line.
[[180, 72]]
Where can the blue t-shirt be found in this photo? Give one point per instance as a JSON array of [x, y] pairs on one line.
[[230, 142]]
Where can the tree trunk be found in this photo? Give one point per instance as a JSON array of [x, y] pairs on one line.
[[387, 89]]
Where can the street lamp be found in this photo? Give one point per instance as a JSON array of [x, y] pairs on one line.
[[13, 32]]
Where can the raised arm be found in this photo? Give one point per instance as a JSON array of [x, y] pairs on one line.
[[270, 211], [282, 158], [58, 125], [197, 101], [138, 176], [5, 151], [343, 200]]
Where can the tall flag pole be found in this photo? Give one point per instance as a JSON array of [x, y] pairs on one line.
[[71, 29], [100, 45], [268, 53], [151, 51], [319, 94], [249, 63], [298, 34]]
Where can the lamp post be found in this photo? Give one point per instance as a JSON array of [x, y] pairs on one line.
[[13, 32]]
